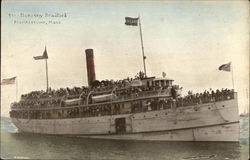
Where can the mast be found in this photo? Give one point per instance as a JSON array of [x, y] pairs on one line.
[[142, 47], [232, 75], [47, 79], [16, 89]]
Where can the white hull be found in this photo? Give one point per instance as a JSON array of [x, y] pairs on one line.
[[206, 122]]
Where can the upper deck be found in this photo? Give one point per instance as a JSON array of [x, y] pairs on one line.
[[109, 98], [102, 93], [121, 107]]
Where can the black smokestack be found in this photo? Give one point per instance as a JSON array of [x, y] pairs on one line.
[[90, 65]]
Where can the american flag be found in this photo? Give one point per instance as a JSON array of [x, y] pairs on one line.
[[8, 81]]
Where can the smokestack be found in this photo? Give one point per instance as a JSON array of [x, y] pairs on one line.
[[90, 65]]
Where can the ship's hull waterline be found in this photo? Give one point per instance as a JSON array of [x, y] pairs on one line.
[[204, 122], [219, 133]]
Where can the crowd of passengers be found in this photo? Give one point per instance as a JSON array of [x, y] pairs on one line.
[[55, 102], [190, 99], [96, 86], [136, 106], [92, 111], [53, 98], [205, 97]]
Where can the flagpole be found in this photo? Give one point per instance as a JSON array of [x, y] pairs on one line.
[[232, 75], [47, 80], [16, 88], [143, 56]]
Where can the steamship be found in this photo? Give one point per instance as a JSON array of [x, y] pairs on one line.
[[143, 108]]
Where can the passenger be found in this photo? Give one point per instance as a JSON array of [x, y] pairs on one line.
[[148, 104], [173, 93]]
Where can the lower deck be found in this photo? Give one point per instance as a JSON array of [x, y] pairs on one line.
[[220, 118]]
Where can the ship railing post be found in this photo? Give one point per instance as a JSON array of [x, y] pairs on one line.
[[173, 105], [62, 99], [111, 99]]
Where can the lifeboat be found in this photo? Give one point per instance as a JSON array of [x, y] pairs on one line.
[[103, 98]]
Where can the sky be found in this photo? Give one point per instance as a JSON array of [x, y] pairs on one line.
[[188, 40]]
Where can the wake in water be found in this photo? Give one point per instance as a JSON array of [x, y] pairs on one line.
[[7, 126], [244, 130]]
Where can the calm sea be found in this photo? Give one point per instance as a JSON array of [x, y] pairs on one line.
[[32, 146]]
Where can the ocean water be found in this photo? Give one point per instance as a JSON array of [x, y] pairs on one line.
[[34, 146]]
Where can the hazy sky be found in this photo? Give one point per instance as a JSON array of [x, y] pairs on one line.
[[186, 40]]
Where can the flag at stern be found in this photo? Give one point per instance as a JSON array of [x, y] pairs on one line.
[[8, 81], [225, 67]]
